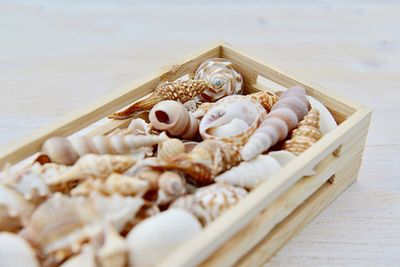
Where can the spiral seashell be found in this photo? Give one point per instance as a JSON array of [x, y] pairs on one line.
[[232, 120], [154, 238], [169, 148], [92, 166], [60, 226], [284, 117], [326, 121], [15, 251], [173, 117], [181, 91], [67, 151], [209, 202], [249, 174], [223, 78], [114, 184], [171, 185], [14, 209], [305, 135], [139, 126], [265, 98]]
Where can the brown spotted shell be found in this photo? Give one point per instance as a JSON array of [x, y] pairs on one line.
[[223, 78], [305, 135], [232, 120], [265, 98]]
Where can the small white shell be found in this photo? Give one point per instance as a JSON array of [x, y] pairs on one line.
[[171, 185], [111, 251], [140, 127], [85, 258], [16, 251], [154, 238], [326, 120]]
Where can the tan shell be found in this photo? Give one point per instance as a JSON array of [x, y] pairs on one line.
[[115, 183], [171, 185], [85, 258], [305, 135], [202, 109], [154, 238], [209, 202], [67, 151], [16, 251], [249, 174], [265, 98], [172, 116], [14, 209], [223, 78], [284, 117], [170, 147], [181, 91], [232, 119]]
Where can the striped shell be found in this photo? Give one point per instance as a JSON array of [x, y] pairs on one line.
[[223, 78], [265, 98], [232, 120], [305, 135], [169, 148]]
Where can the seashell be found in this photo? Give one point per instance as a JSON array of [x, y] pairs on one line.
[[15, 251], [247, 113], [115, 183], [60, 226], [116, 209], [139, 126], [111, 249], [154, 238], [326, 120], [173, 117], [305, 135], [171, 185], [249, 174], [85, 258], [14, 209], [191, 105], [223, 78], [146, 211], [67, 151], [190, 204], [204, 162], [190, 145], [181, 91], [265, 98], [93, 166], [284, 117], [169, 148], [202, 109]]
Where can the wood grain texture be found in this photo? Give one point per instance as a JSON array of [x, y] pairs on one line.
[[78, 52]]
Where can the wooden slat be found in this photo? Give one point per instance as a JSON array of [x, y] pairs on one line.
[[296, 221], [104, 106], [253, 233]]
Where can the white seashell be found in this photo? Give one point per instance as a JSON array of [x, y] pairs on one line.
[[170, 147], [154, 238], [190, 204], [282, 156], [327, 121], [171, 185], [85, 258], [239, 114], [140, 127], [16, 251], [14, 209], [111, 249], [251, 173]]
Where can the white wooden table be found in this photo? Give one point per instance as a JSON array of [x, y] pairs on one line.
[[55, 57]]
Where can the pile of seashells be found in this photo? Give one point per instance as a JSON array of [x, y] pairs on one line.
[[130, 197]]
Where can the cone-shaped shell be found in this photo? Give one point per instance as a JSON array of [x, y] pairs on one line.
[[181, 91], [172, 116], [305, 135], [154, 238], [16, 251], [232, 119], [223, 78]]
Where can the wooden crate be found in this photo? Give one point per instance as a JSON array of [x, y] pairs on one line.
[[252, 231]]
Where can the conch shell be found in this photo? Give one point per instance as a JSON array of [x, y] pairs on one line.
[[223, 78], [249, 174], [305, 135], [181, 91], [114, 184], [326, 120], [154, 238], [14, 209], [67, 151], [15, 251], [173, 117], [209, 202], [232, 120], [170, 147], [93, 166], [284, 117], [171, 185]]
